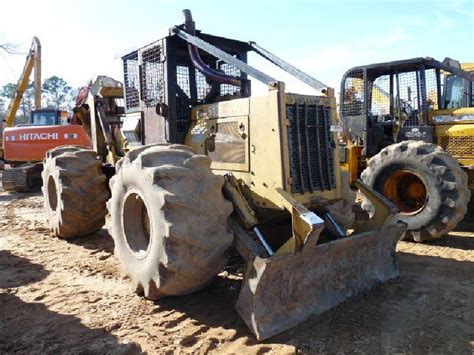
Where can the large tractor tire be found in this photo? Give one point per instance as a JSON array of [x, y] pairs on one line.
[[75, 191], [169, 220], [426, 183]]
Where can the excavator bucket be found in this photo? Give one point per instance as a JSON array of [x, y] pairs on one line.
[[280, 292]]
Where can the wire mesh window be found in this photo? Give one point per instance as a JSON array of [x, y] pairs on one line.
[[380, 103], [202, 85], [431, 88], [182, 77], [226, 89], [131, 81], [183, 108], [408, 99], [152, 80], [353, 94]]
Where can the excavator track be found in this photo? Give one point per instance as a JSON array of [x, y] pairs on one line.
[[23, 178]]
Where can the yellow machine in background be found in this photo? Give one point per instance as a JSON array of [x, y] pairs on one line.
[[454, 121], [409, 130]]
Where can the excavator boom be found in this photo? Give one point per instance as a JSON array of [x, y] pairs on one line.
[[33, 61]]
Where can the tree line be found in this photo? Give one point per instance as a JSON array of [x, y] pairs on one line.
[[55, 93]]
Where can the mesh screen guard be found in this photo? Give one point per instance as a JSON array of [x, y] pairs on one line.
[[405, 96]]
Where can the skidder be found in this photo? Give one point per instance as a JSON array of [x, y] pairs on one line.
[[192, 130]]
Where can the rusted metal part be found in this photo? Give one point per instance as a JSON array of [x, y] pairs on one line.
[[280, 292], [244, 211], [241, 206], [306, 226], [248, 247], [283, 290], [338, 231], [384, 209]]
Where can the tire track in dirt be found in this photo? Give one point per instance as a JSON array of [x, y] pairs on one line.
[[70, 295]]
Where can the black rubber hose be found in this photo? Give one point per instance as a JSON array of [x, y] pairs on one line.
[[210, 73]]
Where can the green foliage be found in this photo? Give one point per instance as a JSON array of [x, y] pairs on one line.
[[56, 92], [28, 98], [8, 90], [71, 99]]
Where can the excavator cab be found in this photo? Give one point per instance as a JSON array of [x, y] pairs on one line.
[[49, 117]]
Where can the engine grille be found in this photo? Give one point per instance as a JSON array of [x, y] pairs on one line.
[[311, 148], [458, 146]]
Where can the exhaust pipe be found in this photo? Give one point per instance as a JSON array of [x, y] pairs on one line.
[[214, 75]]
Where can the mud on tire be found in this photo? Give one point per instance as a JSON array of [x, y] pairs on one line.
[[169, 220], [445, 186], [75, 191]]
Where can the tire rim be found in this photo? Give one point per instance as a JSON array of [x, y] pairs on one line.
[[136, 225], [52, 194], [407, 190]]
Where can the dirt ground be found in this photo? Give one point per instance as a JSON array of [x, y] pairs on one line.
[[60, 296]]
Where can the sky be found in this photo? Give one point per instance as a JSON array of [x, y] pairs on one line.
[[86, 38]]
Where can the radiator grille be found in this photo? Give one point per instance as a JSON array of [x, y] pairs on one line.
[[311, 148], [458, 146]]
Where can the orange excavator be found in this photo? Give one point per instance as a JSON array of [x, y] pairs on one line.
[[24, 146]]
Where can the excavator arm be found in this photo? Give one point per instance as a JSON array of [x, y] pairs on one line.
[[33, 61]]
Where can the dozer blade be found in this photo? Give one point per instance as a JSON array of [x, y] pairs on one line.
[[282, 291]]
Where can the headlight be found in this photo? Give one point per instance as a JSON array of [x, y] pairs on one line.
[[452, 118]]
